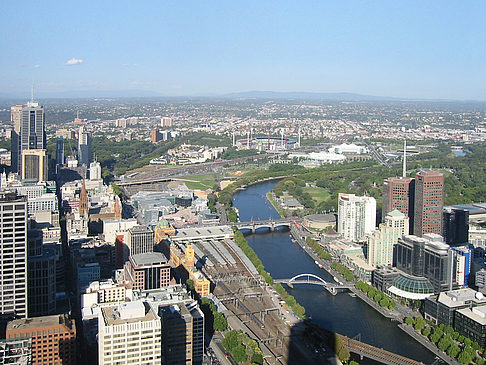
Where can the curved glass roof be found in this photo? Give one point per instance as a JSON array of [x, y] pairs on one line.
[[411, 284]]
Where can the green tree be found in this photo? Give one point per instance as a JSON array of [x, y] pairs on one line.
[[409, 320], [239, 353], [426, 331], [190, 284], [230, 340], [453, 351], [220, 322], [464, 358]]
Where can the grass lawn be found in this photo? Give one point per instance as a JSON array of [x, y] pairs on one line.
[[201, 182], [318, 194]]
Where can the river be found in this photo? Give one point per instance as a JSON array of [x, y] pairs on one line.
[[341, 313]]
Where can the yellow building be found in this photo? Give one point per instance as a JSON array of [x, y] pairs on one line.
[[162, 230], [186, 259]]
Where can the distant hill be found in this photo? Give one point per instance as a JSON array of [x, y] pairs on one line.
[[71, 94], [307, 95]]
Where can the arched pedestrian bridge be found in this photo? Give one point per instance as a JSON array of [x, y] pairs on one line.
[[270, 224], [315, 280]]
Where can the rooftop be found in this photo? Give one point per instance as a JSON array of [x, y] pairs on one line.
[[459, 297], [477, 314], [149, 258], [36, 322], [128, 313]]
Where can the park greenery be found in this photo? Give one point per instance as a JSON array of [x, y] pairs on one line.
[[377, 295], [296, 308], [242, 348], [446, 339]]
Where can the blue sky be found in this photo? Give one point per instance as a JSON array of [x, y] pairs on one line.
[[414, 49]]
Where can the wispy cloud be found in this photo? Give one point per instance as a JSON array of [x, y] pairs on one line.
[[74, 61], [36, 66]]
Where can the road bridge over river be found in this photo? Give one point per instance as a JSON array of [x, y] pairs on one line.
[[270, 224]]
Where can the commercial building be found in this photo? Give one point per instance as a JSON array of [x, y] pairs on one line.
[[60, 151], [398, 193], [53, 338], [356, 216], [13, 255], [383, 240], [426, 257], [182, 334], [147, 271], [34, 165], [28, 131], [84, 147], [456, 226], [320, 221], [471, 323], [429, 201], [95, 171], [442, 308], [139, 239], [42, 282], [129, 333]]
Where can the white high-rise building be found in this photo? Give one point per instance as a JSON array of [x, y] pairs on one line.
[[129, 333], [382, 240], [356, 216], [13, 254], [95, 171]]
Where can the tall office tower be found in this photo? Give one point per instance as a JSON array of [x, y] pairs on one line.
[[382, 241], [356, 216], [182, 334], [34, 165], [398, 193], [13, 255], [53, 338], [139, 239], [429, 202], [16, 120], [28, 131], [41, 276], [456, 226], [129, 333], [60, 151], [84, 147], [95, 171], [426, 257]]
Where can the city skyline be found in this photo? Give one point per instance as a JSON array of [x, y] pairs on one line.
[[413, 50]]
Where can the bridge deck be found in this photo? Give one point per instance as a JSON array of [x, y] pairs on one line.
[[375, 353]]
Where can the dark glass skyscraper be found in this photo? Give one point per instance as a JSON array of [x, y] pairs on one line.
[[456, 226]]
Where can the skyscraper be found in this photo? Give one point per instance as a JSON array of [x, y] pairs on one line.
[[456, 226], [60, 151], [13, 255], [28, 131], [84, 147], [429, 201], [398, 193], [356, 216], [382, 241]]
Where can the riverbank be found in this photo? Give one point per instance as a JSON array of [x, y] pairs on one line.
[[426, 343], [343, 313]]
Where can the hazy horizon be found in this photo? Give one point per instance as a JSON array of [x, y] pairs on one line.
[[411, 50]]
